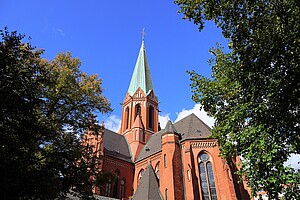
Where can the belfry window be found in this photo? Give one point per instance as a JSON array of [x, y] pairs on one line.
[[150, 117], [127, 118], [137, 110], [207, 180]]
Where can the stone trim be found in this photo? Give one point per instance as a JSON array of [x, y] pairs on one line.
[[195, 145]]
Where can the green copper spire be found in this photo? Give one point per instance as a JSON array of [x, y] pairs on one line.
[[141, 75]]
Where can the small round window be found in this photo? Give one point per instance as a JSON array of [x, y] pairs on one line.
[[204, 157]]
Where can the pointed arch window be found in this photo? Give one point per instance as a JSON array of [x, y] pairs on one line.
[[123, 190], [150, 117], [166, 194], [157, 170], [137, 110], [140, 175], [116, 184], [127, 118], [108, 189], [207, 180]]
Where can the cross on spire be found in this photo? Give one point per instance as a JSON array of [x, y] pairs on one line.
[[143, 34]]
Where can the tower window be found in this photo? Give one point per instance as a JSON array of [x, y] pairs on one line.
[[165, 160], [207, 177], [127, 118], [137, 110], [150, 117]]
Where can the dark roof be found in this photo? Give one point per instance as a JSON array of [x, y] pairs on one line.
[[148, 187], [191, 127], [115, 145], [169, 128], [153, 146]]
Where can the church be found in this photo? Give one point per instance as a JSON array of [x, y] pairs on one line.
[[176, 162]]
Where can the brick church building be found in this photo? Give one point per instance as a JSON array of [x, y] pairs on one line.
[[175, 162]]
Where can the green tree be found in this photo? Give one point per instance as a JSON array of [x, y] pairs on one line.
[[45, 107], [254, 92]]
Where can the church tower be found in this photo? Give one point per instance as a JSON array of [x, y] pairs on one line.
[[140, 106]]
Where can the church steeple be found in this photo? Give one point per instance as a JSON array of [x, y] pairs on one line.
[[141, 77], [140, 107]]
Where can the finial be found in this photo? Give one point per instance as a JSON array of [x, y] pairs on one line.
[[143, 34]]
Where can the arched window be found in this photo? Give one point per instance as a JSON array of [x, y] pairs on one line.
[[166, 194], [123, 190], [189, 175], [150, 117], [157, 170], [165, 160], [116, 184], [140, 175], [207, 177], [137, 110], [108, 189], [127, 118]]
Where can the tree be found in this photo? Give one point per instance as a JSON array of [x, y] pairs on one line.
[[254, 91], [45, 107]]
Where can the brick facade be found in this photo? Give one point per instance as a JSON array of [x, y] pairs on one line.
[[186, 162]]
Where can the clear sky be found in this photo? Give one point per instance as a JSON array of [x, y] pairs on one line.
[[106, 36]]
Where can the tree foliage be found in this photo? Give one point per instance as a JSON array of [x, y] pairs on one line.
[[45, 107], [254, 91]]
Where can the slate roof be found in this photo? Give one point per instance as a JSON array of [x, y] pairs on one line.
[[115, 145], [148, 187], [190, 127], [152, 147], [169, 128], [141, 76]]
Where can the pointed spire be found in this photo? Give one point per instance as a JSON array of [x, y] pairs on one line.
[[141, 76], [170, 128]]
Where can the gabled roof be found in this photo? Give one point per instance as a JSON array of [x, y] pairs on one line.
[[191, 127], [141, 77], [153, 146], [148, 188], [115, 145]]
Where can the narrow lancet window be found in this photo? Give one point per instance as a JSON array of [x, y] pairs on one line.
[[207, 180]]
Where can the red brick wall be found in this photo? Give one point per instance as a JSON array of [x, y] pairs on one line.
[[171, 173], [224, 182], [126, 171]]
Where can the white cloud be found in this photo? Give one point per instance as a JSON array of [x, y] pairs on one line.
[[294, 161], [58, 31], [163, 119], [113, 123], [201, 114]]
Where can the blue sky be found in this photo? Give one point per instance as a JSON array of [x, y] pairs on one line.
[[106, 36]]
